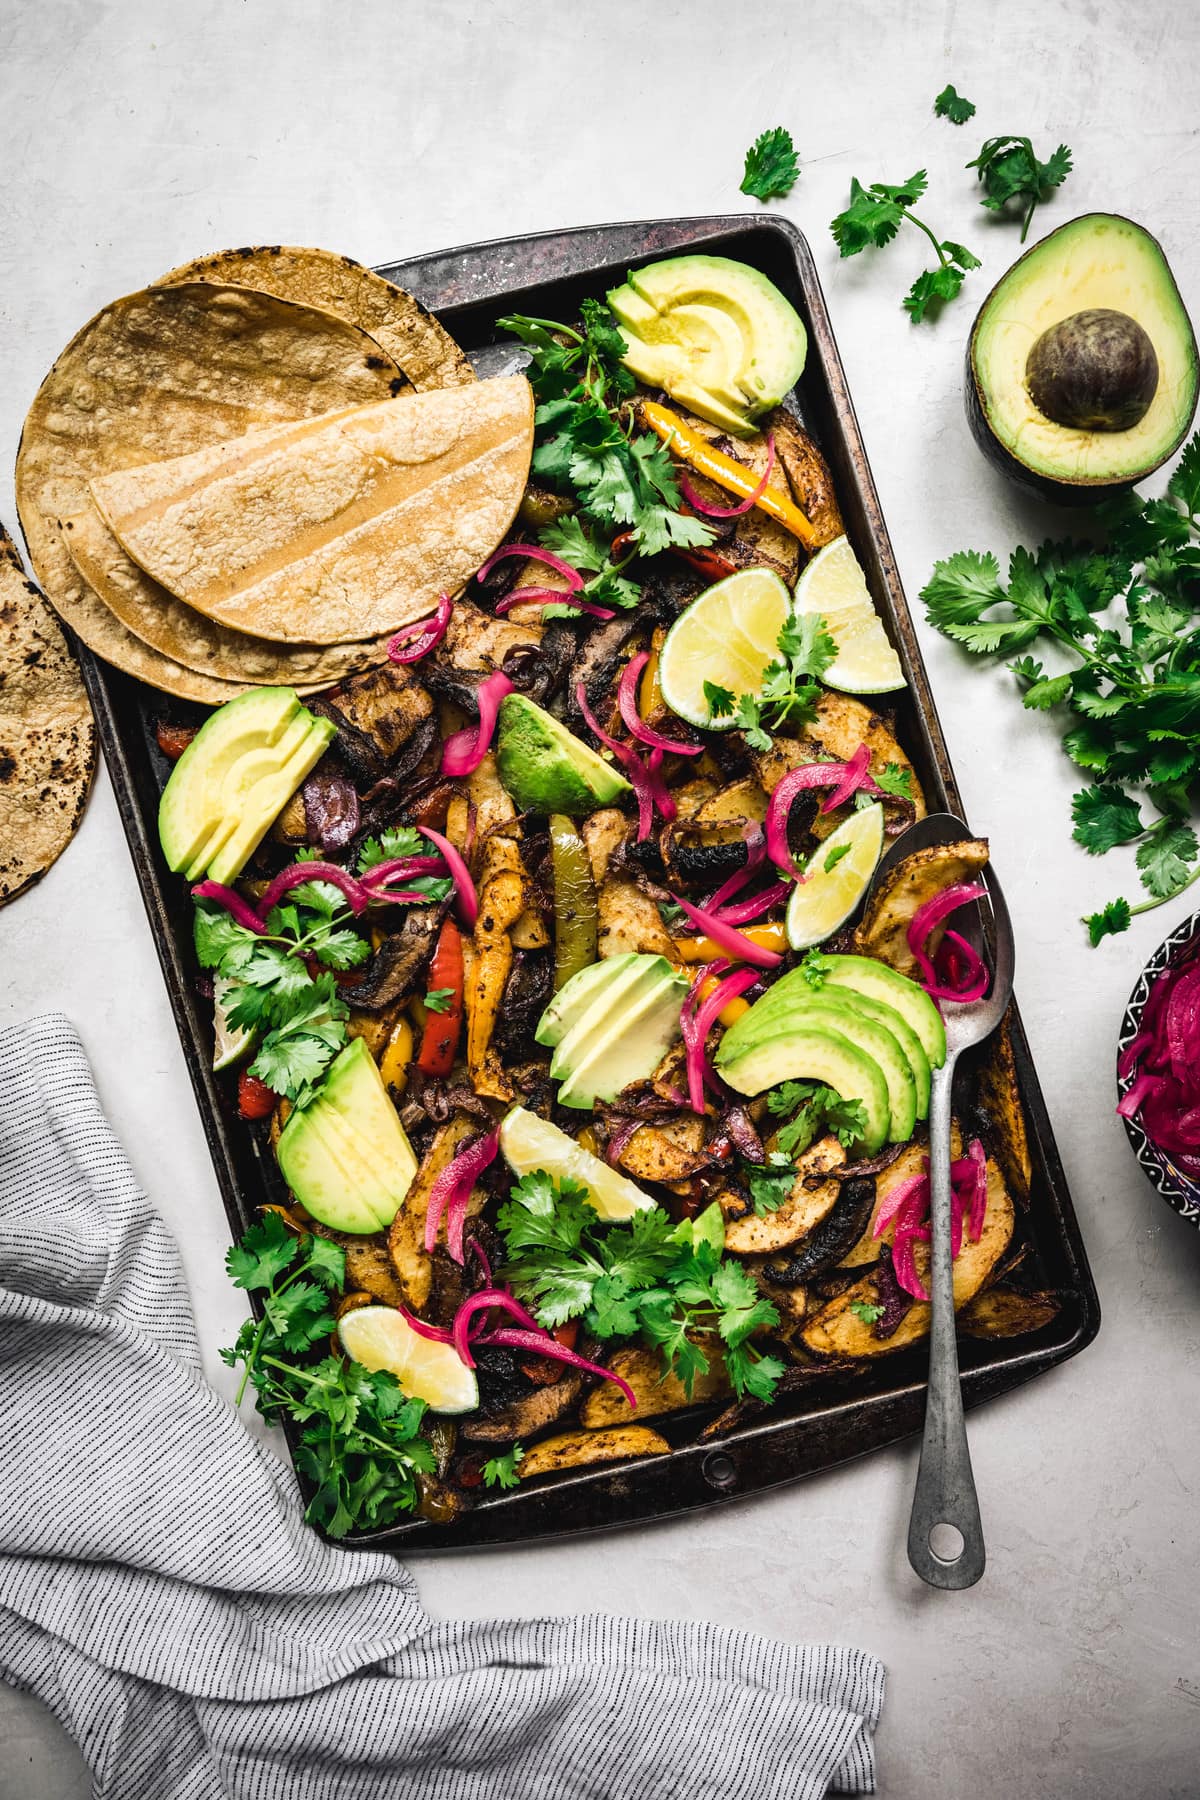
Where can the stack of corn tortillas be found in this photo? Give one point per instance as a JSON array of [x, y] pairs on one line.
[[258, 469]]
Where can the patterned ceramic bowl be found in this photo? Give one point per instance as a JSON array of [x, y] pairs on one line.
[[1180, 1191]]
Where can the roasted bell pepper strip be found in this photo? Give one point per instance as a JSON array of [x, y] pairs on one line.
[[255, 1099], [709, 563], [439, 1039], [733, 476], [173, 740], [705, 949], [575, 911]]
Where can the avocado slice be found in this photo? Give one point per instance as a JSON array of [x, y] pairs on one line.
[[875, 981], [806, 1052], [346, 1156], [1082, 368], [575, 996], [604, 1000], [614, 1045], [715, 333], [875, 1011], [546, 768], [234, 779], [841, 1013]]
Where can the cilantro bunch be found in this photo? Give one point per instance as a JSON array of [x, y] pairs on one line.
[[1124, 613], [624, 480], [667, 1283], [791, 684], [874, 216], [360, 1445]]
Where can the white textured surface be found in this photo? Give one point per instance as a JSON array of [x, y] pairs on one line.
[[133, 136]]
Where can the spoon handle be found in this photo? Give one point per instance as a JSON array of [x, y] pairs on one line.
[[945, 1490]]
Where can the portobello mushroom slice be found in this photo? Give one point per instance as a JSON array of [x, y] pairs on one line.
[[582, 1449], [1000, 1098], [903, 890], [398, 966], [532, 1413], [527, 993], [1003, 1312], [839, 1330], [595, 664], [814, 1194], [376, 714], [656, 1391], [841, 1227]]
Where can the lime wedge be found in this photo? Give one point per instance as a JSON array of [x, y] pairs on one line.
[[727, 636], [379, 1337], [834, 585], [835, 878], [528, 1143], [230, 1043]]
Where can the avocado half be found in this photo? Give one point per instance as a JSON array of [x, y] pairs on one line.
[[1091, 320]]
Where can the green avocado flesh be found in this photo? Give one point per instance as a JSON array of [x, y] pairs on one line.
[[546, 768], [814, 1053], [841, 1013], [613, 1029], [874, 981], [234, 779], [716, 334], [346, 1156], [1098, 263]]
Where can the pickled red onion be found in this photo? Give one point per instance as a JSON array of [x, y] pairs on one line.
[[463, 753], [728, 512]]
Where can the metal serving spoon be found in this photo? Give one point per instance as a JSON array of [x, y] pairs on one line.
[[945, 1492]]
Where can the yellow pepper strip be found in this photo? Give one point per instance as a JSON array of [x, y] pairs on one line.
[[649, 692], [393, 1064], [706, 949], [588, 1141], [707, 460], [732, 1010]]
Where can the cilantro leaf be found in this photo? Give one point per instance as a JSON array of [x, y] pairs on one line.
[[873, 218], [264, 1252], [720, 700], [438, 999], [813, 966], [867, 1310], [1110, 920], [894, 778], [771, 1184], [501, 1471], [833, 857], [953, 106], [1009, 170], [772, 167], [1184, 484], [1164, 858], [1104, 816], [930, 289], [397, 840]]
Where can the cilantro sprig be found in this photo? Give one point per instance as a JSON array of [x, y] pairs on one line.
[[1122, 615], [872, 219], [791, 683], [360, 1445], [667, 1283], [1010, 170], [585, 441], [772, 166], [501, 1471], [300, 1018], [810, 1107], [607, 584]]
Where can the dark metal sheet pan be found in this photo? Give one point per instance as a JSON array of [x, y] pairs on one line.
[[830, 1423]]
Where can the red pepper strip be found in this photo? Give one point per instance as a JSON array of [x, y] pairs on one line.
[[709, 563], [255, 1099], [543, 1371], [439, 1040]]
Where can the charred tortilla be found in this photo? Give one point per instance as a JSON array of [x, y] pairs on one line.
[[161, 373], [47, 738], [335, 528]]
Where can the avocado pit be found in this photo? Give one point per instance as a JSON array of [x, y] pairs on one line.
[[1095, 370]]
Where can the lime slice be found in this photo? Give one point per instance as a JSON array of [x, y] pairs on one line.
[[529, 1143], [834, 585], [835, 879], [230, 1043], [379, 1337], [727, 636]]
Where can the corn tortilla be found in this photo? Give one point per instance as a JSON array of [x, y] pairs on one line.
[[47, 738], [156, 374], [336, 528]]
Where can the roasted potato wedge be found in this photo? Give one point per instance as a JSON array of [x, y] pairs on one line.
[[492, 800], [582, 1449], [841, 1228], [884, 929], [814, 1194], [656, 1393], [1000, 1098], [837, 1330], [1001, 1312], [627, 918], [841, 725], [670, 1152], [531, 1414], [504, 894], [910, 1162], [370, 1269], [410, 1261]]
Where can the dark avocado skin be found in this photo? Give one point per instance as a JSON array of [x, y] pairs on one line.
[[1060, 492]]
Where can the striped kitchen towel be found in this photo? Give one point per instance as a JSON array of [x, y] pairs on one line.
[[160, 1592]]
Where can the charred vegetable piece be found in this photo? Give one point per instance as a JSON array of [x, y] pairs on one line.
[[532, 1413], [406, 1238], [581, 1449], [255, 1099], [439, 1038], [656, 1392], [503, 897], [837, 1232], [574, 901], [398, 966], [1000, 1097], [1001, 1312]]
